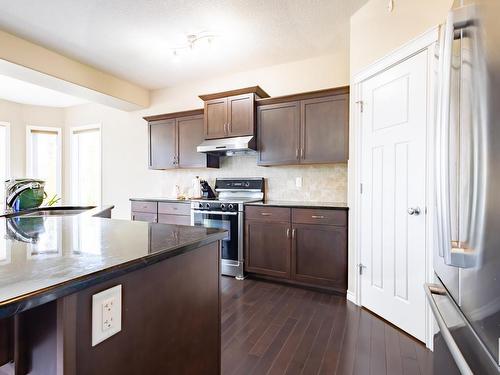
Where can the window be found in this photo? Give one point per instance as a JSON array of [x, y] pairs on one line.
[[4, 158], [43, 157], [86, 165]]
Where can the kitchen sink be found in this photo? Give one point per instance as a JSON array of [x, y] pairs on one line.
[[51, 211]]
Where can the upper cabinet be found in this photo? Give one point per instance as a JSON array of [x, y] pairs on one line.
[[173, 139], [231, 113], [308, 128]]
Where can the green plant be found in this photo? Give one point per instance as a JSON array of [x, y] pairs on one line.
[[52, 201]]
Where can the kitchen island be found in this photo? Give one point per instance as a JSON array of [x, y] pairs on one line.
[[51, 267]]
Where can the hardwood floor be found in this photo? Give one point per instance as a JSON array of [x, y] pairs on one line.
[[276, 329]]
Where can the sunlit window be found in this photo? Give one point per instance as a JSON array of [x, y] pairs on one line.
[[43, 158], [4, 158], [86, 165]]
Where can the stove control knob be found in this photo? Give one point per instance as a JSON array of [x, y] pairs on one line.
[[223, 206], [247, 184], [200, 205], [231, 207], [207, 206]]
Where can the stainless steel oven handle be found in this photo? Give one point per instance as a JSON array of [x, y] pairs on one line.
[[215, 212], [462, 364]]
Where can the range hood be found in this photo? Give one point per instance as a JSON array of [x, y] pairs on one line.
[[229, 146]]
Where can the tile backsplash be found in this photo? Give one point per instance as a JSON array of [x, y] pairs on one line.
[[320, 183]]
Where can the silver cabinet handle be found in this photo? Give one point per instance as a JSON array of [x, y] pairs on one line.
[[457, 355], [287, 232], [297, 153], [414, 211], [266, 214], [317, 216], [302, 153], [229, 127], [293, 233]]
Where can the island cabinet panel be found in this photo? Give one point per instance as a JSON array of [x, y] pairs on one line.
[[162, 144], [173, 141], [301, 246], [278, 127], [216, 118], [241, 115], [174, 219], [325, 129], [144, 216], [169, 326], [268, 248], [318, 255]]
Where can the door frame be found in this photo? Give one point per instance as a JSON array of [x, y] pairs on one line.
[[427, 41]]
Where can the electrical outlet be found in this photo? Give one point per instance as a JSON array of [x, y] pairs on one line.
[[298, 182], [106, 314]]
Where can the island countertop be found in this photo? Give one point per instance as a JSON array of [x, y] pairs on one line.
[[45, 258]]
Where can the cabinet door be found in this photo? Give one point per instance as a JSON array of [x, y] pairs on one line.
[[267, 248], [174, 219], [215, 118], [325, 129], [241, 115], [144, 216], [319, 255], [191, 134], [162, 144], [278, 129]]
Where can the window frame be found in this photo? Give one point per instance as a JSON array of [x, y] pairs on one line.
[[29, 153], [7, 147], [74, 160]]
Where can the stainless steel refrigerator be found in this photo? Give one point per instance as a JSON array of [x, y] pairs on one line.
[[465, 299]]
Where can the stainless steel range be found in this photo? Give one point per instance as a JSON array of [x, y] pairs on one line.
[[226, 211]]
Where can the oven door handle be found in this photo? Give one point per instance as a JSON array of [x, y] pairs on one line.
[[215, 212]]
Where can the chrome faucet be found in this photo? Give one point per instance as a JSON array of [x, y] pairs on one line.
[[13, 188]]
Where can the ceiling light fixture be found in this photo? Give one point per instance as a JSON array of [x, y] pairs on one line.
[[195, 42]]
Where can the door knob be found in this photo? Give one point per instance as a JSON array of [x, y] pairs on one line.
[[414, 211]]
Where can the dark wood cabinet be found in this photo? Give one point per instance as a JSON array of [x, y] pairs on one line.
[[319, 255], [308, 128], [301, 246], [278, 127], [173, 139], [162, 144], [231, 113], [325, 129], [268, 248]]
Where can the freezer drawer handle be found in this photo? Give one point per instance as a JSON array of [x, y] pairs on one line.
[[462, 365]]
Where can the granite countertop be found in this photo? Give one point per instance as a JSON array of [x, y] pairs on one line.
[[45, 258], [299, 204], [157, 199]]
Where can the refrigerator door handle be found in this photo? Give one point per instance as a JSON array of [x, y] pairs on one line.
[[462, 364]]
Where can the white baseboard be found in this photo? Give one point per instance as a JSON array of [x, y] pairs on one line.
[[351, 297]]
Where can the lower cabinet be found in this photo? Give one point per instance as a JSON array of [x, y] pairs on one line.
[[319, 255], [162, 212], [302, 246], [268, 248]]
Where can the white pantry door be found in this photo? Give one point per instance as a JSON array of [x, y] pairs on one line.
[[393, 174]]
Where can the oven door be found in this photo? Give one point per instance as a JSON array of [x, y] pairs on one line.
[[222, 220]]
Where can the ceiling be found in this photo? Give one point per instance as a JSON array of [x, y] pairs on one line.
[[27, 93], [132, 39]]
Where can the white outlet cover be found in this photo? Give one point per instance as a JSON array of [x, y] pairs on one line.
[[298, 182], [112, 298]]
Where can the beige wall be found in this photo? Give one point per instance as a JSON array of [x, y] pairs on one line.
[[375, 32], [19, 116], [124, 137]]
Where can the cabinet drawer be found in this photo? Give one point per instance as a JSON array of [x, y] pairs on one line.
[[174, 219], [267, 213], [319, 216], [144, 206], [174, 208], [144, 216]]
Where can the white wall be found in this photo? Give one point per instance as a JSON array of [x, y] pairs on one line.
[[124, 137]]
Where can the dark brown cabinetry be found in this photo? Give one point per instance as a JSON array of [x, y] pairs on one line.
[[307, 128], [173, 139], [231, 113], [302, 246], [161, 212]]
